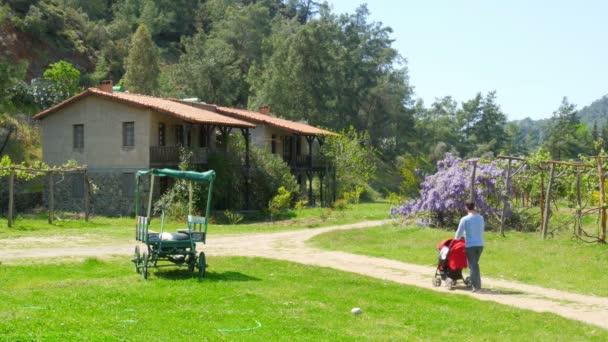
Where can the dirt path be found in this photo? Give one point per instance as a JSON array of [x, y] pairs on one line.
[[291, 246]]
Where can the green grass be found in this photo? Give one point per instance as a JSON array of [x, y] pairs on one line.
[[106, 300], [104, 229], [558, 263]]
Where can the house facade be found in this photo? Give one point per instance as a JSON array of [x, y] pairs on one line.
[[115, 134]]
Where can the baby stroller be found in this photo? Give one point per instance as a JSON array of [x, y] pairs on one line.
[[452, 259]]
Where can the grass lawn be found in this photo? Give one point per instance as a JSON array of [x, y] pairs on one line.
[[251, 299], [558, 263], [104, 229]]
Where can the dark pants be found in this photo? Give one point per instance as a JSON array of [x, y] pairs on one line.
[[473, 255]]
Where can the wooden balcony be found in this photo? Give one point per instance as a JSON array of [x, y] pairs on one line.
[[303, 162], [169, 155]]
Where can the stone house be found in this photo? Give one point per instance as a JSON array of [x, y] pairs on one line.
[[115, 134]]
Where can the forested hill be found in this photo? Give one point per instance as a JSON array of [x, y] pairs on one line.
[[595, 113]]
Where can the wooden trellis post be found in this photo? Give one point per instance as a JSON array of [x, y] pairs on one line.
[[600, 172], [11, 197], [86, 196], [505, 203], [541, 202], [51, 198], [472, 194], [547, 208], [579, 203]]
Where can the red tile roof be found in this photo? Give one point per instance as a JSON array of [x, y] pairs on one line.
[[161, 105], [256, 117]]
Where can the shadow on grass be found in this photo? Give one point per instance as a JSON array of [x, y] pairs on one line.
[[182, 273]]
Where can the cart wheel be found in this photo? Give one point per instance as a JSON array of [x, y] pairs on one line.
[[437, 281], [144, 269], [202, 265], [137, 260], [467, 282], [450, 283]]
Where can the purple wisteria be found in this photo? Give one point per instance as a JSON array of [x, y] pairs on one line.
[[443, 194]]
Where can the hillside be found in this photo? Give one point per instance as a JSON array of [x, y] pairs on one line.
[[597, 111]]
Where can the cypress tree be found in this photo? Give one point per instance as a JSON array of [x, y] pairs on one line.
[[142, 68]]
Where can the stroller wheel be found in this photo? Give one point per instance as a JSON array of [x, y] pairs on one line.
[[450, 283], [437, 281]]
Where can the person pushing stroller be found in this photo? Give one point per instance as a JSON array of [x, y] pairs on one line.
[[471, 227]]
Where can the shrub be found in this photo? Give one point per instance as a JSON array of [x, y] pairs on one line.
[[232, 217], [352, 197], [340, 205], [279, 202], [267, 173]]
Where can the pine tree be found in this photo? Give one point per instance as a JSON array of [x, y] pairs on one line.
[[142, 64]]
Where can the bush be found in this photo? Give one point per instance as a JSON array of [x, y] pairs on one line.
[[279, 202], [352, 197], [340, 205], [232, 217], [267, 173]]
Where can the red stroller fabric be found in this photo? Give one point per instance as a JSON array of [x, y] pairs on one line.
[[457, 257]]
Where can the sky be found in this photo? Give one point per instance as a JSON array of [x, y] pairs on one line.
[[532, 52]]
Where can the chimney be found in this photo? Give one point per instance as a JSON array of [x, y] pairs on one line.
[[264, 110], [106, 85]]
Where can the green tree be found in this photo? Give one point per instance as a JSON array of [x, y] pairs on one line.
[[353, 157], [141, 66], [564, 137], [489, 129], [64, 77]]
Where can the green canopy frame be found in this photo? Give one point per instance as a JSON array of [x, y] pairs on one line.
[[190, 176]]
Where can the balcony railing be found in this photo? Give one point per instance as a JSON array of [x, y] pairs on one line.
[[303, 161], [169, 155]]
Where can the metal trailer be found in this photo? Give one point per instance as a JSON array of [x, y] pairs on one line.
[[171, 249]]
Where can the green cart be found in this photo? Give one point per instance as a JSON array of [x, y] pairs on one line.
[[176, 248]]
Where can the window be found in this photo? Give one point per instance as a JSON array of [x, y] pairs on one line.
[[128, 134], [128, 184], [161, 134], [77, 186], [273, 144], [78, 136]]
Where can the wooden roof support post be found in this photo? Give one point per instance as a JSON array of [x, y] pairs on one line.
[[548, 202], [247, 136], [51, 198], [600, 171], [11, 197], [310, 139]]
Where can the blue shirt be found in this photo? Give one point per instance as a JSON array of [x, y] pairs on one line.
[[471, 227]]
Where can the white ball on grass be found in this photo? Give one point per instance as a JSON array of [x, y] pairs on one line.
[[356, 311]]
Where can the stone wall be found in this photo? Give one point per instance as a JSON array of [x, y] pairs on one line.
[[111, 193]]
